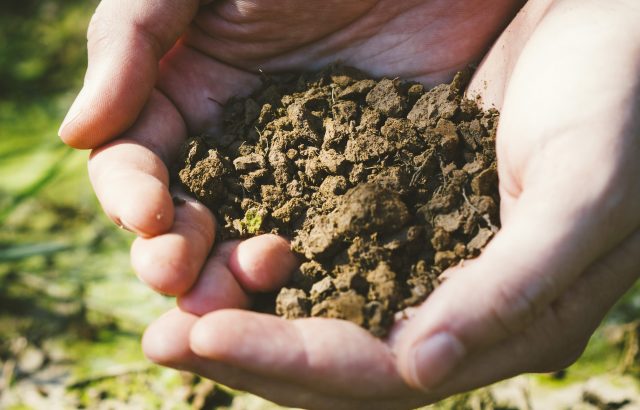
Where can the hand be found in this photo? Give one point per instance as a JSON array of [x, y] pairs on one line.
[[159, 73], [530, 301]]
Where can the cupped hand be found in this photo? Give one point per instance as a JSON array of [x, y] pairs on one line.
[[565, 74], [159, 72]]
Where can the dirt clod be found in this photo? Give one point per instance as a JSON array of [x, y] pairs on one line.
[[382, 185]]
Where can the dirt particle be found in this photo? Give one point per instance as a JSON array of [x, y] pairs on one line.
[[387, 98], [343, 305], [292, 303]]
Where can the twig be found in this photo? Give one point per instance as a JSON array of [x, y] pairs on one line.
[[418, 173]]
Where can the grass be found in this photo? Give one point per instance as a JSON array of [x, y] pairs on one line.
[[24, 251], [33, 189]]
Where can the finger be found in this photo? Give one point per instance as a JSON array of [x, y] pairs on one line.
[[130, 177], [216, 287], [330, 356], [126, 39], [237, 269], [170, 263], [490, 80], [263, 263], [559, 336], [132, 186], [166, 342]]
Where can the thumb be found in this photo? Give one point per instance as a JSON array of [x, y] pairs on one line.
[[542, 249], [126, 40]]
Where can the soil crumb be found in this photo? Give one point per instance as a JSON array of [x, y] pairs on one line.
[[381, 184]]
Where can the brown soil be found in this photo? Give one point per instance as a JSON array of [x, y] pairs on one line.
[[380, 184]]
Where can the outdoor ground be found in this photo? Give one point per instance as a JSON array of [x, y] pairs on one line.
[[71, 310]]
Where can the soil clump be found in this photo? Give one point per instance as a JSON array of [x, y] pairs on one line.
[[381, 184]]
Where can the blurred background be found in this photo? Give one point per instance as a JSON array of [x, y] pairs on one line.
[[72, 311]]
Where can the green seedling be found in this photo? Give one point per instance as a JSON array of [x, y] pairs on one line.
[[253, 219]]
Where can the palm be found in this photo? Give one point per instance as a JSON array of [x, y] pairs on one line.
[[229, 40]]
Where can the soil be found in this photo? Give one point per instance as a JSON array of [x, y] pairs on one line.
[[382, 185]]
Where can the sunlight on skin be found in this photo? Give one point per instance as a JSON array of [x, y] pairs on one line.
[[566, 250]]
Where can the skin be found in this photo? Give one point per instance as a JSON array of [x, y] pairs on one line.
[[565, 75]]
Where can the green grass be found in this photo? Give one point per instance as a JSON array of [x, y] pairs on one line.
[[33, 189], [19, 252]]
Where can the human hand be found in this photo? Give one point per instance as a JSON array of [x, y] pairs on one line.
[[151, 92], [569, 269]]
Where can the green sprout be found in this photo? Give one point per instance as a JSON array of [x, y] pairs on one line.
[[253, 219]]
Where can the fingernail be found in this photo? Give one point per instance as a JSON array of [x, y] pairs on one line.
[[434, 359], [72, 115]]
